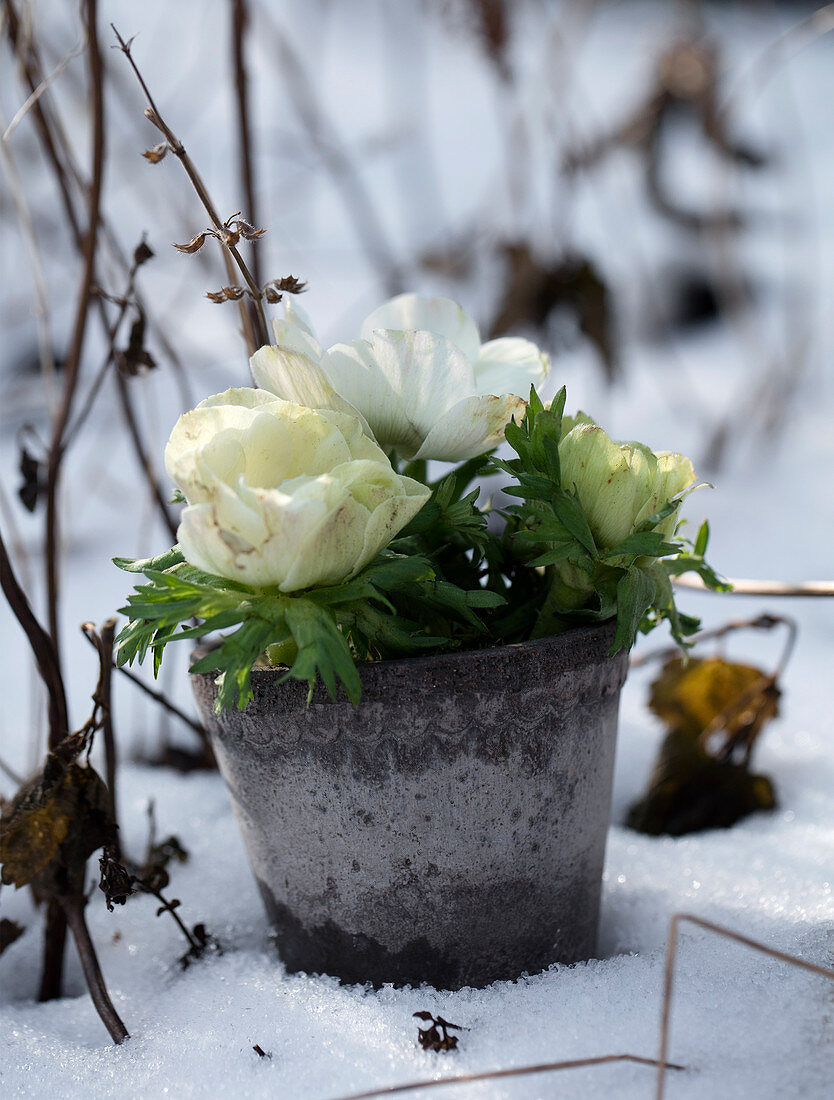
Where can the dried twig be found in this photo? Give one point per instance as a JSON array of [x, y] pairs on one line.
[[35, 95], [59, 157], [85, 295], [671, 955], [761, 622], [516, 1071], [73, 909], [103, 643], [165, 702], [255, 336], [142, 454], [30, 240], [23, 48], [11, 773], [343, 172], [240, 25], [760, 588], [42, 646]]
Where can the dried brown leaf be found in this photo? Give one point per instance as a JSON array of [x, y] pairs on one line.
[[54, 822], [437, 1038], [715, 710], [692, 696], [10, 931]]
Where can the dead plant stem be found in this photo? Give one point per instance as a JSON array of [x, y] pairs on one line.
[[142, 453], [41, 644], [73, 358], [744, 587], [74, 911], [516, 1071], [346, 178], [102, 641], [240, 26], [165, 702], [260, 336], [669, 977]]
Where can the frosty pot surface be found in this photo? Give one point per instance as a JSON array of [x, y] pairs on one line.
[[450, 829]]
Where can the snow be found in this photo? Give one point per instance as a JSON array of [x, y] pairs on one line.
[[745, 1025]]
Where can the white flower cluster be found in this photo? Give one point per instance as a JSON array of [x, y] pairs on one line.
[[291, 485]]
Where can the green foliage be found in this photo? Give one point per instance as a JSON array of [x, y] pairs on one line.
[[326, 626], [448, 580], [549, 531]]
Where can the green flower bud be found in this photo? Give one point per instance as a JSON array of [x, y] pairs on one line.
[[620, 485]]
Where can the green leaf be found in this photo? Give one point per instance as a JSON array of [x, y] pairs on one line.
[[700, 547], [322, 650], [161, 561], [557, 405], [555, 555], [635, 595], [643, 544], [569, 512]]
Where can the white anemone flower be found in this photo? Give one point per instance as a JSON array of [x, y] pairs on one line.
[[419, 377], [283, 495]]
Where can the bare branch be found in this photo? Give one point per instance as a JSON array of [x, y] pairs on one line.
[[760, 588], [103, 644], [42, 646], [669, 978], [35, 95], [74, 910], [73, 359], [346, 178], [516, 1071], [260, 335], [240, 25], [166, 703]]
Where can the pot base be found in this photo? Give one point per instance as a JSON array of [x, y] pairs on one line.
[[359, 959], [450, 829]]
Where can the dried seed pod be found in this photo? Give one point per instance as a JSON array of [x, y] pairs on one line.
[[142, 253], [226, 294], [272, 295], [32, 473], [194, 245], [115, 883], [157, 153], [290, 284], [247, 231]]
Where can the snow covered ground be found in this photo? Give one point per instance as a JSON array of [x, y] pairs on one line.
[[743, 1024]]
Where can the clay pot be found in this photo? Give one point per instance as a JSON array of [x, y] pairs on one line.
[[450, 829]]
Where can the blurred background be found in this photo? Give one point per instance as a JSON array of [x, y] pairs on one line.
[[642, 188]]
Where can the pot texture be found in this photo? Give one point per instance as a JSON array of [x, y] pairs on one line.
[[450, 829]]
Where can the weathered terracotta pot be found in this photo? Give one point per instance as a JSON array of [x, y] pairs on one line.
[[450, 829]]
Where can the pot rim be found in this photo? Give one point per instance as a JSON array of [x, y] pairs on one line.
[[587, 644]]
